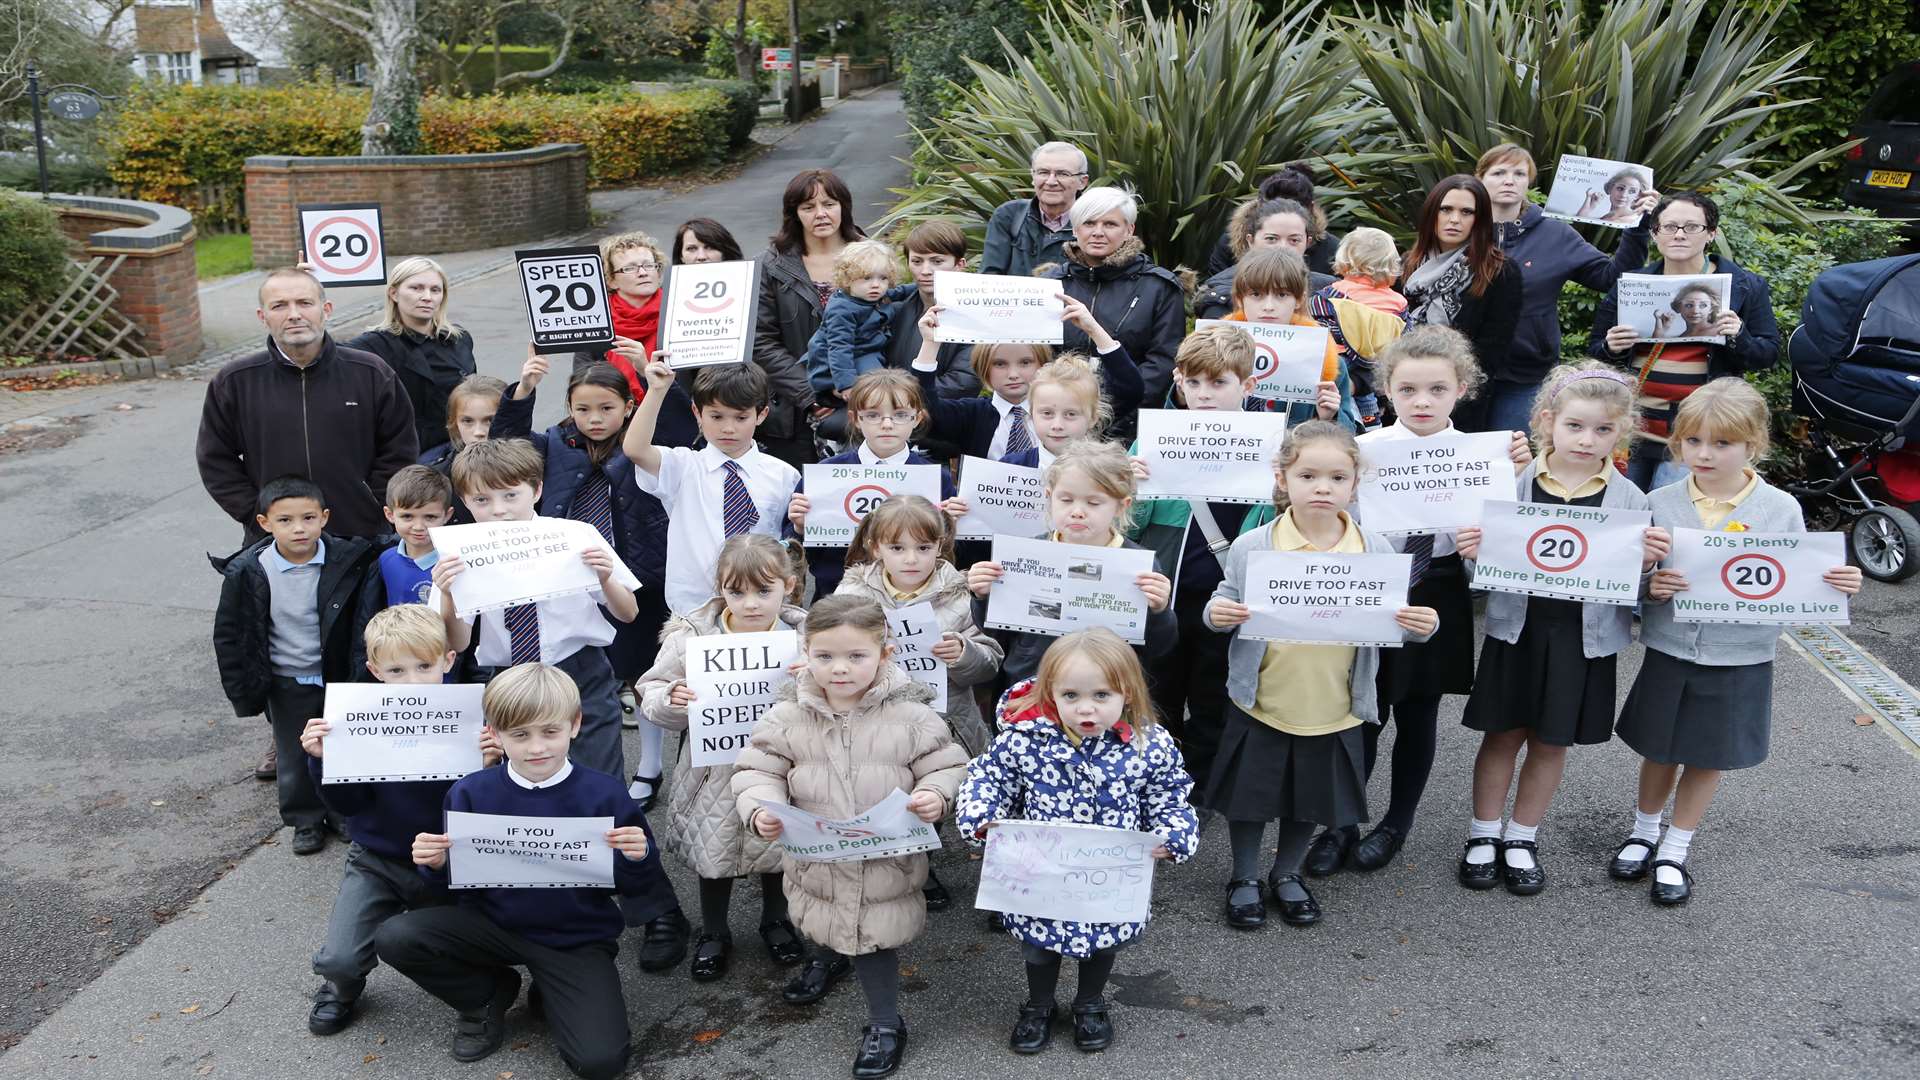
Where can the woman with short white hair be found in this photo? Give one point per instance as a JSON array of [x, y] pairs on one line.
[[428, 352]]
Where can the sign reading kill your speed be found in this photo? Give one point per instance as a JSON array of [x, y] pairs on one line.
[[566, 298]]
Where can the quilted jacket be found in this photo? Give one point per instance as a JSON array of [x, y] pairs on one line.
[[979, 663]]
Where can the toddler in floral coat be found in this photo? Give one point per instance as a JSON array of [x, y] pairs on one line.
[[1078, 743]]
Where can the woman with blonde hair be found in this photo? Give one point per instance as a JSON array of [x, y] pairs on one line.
[[420, 343]]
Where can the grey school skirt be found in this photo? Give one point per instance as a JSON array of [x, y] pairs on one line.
[[1261, 774], [1683, 713]]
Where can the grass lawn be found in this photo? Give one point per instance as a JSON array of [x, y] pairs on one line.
[[221, 254]]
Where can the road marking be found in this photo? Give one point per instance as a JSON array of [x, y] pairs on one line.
[[1863, 678]]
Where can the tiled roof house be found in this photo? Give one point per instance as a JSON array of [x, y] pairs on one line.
[[182, 41]]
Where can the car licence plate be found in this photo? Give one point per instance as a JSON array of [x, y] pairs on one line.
[[1893, 178]]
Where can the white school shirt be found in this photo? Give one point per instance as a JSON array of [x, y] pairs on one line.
[[567, 625], [1045, 460], [566, 770], [1442, 541], [997, 449], [868, 457], [690, 486]]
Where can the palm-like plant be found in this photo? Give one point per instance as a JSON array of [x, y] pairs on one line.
[[1632, 84], [1183, 110]]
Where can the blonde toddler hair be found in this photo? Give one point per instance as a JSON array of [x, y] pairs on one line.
[[863, 258], [1368, 253], [1117, 662], [1730, 408]]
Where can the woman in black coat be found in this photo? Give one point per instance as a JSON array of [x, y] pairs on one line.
[[428, 353], [796, 277], [1456, 275]]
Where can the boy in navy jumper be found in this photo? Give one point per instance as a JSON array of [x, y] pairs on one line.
[[418, 498], [285, 628], [406, 644], [465, 953]]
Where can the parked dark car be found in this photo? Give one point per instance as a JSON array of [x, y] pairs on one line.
[[1883, 172]]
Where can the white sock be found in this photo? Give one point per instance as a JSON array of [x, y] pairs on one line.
[[1482, 854], [1520, 858], [650, 759], [1646, 826], [1674, 847]]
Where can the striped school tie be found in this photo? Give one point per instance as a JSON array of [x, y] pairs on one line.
[[523, 632], [594, 504], [1421, 548], [736, 505], [1018, 440]]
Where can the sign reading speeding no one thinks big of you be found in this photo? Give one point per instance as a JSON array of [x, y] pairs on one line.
[[566, 298], [343, 244]]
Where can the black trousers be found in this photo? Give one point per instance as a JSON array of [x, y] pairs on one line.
[[1189, 686], [455, 952], [289, 706]]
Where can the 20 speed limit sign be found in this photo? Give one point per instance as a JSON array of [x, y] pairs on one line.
[[839, 497], [1287, 359], [1588, 553], [343, 243], [566, 298], [1759, 578]]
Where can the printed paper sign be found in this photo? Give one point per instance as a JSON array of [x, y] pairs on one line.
[[343, 243], [1597, 191], [1076, 873], [884, 832], [1055, 589], [914, 631], [1431, 484], [502, 851], [1677, 307], [1753, 577], [1324, 597], [566, 298], [734, 678], [841, 496], [1288, 360], [709, 313], [519, 562], [1588, 553], [1001, 498], [386, 732], [1215, 456], [997, 309]]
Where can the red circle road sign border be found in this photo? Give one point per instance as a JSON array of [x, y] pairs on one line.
[[1779, 575], [373, 245], [1585, 548]]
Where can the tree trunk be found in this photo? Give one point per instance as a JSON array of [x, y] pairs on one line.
[[393, 119], [746, 64], [794, 103]]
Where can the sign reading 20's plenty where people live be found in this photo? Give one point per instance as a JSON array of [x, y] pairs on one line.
[[1586, 553], [566, 298], [709, 317], [841, 496], [1756, 577], [1287, 360]]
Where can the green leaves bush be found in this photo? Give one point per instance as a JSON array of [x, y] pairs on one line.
[[935, 40], [35, 256]]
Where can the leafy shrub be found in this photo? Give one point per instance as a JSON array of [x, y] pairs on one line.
[[632, 136], [1852, 45], [35, 256], [937, 41], [719, 52], [743, 107], [476, 75]]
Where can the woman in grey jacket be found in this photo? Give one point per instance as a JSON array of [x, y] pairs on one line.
[[796, 277]]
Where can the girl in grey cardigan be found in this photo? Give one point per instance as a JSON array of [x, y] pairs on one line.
[[1547, 667], [1703, 702]]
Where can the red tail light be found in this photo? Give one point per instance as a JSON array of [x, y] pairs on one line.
[[1859, 151]]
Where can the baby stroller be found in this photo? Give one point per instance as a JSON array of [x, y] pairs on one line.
[[1856, 380]]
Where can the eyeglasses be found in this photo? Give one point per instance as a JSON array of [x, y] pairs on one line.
[[1055, 174], [1691, 228], [900, 419], [638, 268]]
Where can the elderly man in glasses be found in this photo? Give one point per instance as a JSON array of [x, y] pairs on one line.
[[1024, 233]]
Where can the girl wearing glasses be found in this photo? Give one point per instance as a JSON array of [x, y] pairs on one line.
[[1685, 227]]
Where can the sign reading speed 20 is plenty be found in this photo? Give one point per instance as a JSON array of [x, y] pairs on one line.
[[566, 298], [1754, 577], [1568, 552]]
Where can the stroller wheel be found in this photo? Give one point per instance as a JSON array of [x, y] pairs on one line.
[[1886, 543]]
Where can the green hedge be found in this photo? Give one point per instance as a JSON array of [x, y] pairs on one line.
[[34, 254], [743, 107]]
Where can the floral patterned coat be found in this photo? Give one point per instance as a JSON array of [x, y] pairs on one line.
[[1122, 780]]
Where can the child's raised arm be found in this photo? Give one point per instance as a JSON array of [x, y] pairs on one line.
[[639, 441]]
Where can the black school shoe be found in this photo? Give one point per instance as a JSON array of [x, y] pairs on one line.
[[331, 1012], [1378, 849], [1671, 895], [935, 894], [1628, 868], [310, 839], [1034, 1030], [1481, 875], [481, 1032], [881, 1048], [666, 942], [815, 979], [710, 957], [783, 942], [1092, 1027], [1521, 882], [1294, 912], [1328, 852], [1251, 916]]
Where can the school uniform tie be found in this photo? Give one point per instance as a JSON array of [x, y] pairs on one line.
[[1421, 548], [736, 505], [594, 504], [523, 633], [1018, 441]]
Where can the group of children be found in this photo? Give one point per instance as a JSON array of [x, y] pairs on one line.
[[1087, 729]]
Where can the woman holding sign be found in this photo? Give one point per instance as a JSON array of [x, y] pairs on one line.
[[635, 268], [1457, 276], [1550, 253], [1685, 227], [796, 277], [427, 352]]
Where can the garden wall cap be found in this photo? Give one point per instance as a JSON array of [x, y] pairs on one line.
[[284, 161], [165, 225]]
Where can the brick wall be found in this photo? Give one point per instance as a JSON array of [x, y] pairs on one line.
[[428, 204], [158, 281]]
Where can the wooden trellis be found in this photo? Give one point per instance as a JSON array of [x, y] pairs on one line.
[[80, 321]]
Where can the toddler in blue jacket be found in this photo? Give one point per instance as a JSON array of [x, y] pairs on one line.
[[854, 329]]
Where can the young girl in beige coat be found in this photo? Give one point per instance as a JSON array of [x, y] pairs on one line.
[[856, 728], [756, 582]]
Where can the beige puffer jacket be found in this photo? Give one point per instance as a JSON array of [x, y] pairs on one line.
[[802, 755], [702, 829], [979, 662]]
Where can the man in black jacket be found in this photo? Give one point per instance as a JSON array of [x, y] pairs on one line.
[[305, 406]]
